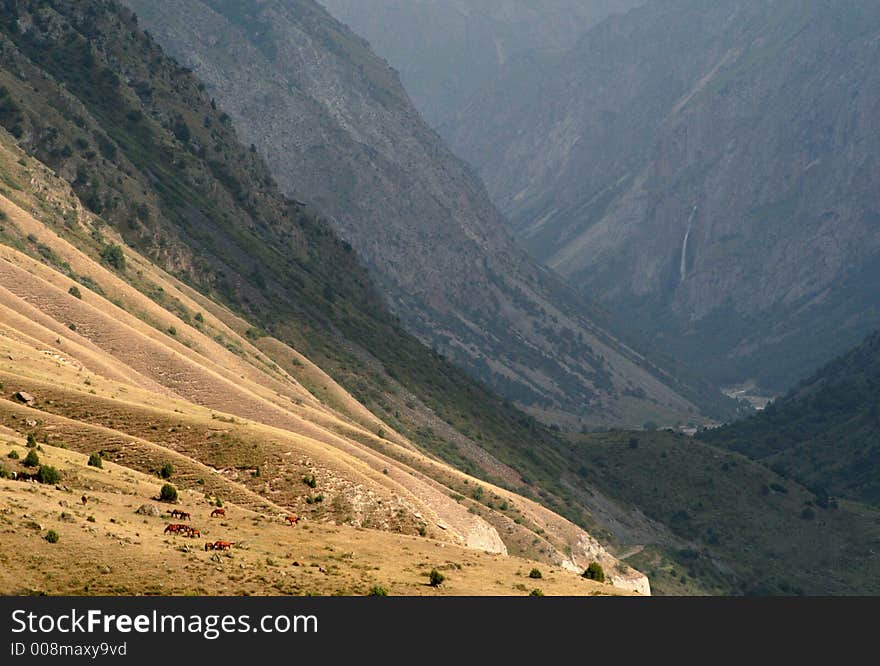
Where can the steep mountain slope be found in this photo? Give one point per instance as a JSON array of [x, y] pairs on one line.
[[446, 50], [142, 144], [338, 131], [103, 352], [709, 171], [731, 525], [825, 432]]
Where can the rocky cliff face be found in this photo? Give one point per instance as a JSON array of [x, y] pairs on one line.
[[446, 50], [339, 132], [709, 171]]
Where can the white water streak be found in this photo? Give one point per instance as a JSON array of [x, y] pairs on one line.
[[682, 269]]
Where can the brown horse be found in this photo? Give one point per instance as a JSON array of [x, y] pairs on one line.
[[194, 533], [292, 520], [218, 512], [209, 545], [176, 528], [223, 545], [177, 513]]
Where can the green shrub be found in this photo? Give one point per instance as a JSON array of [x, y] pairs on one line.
[[310, 481], [75, 292], [535, 573], [52, 536], [172, 330], [31, 440], [168, 493], [378, 591], [4, 473], [199, 317], [31, 459], [166, 471], [95, 460], [48, 474], [536, 593], [113, 255], [595, 572], [435, 578], [91, 519], [13, 455]]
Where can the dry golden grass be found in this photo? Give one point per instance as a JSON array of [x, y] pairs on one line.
[[105, 547], [243, 420]]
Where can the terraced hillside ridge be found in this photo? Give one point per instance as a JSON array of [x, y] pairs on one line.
[[115, 544], [104, 354], [708, 171], [338, 131], [825, 432], [446, 50]]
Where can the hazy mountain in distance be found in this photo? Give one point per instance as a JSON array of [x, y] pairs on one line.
[[709, 171], [339, 132], [445, 50]]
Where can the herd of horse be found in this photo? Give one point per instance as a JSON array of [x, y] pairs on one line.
[[183, 529]]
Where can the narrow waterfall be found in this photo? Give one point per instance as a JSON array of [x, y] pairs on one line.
[[682, 269]]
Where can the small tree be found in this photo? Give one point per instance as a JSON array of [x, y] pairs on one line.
[[75, 292], [48, 474], [114, 256], [95, 460], [52, 536], [31, 459], [31, 440], [595, 572], [168, 493], [535, 573], [435, 578], [13, 455], [167, 470]]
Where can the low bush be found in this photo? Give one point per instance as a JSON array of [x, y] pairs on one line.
[[168, 493]]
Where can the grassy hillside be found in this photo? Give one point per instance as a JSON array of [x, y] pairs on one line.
[[103, 353], [730, 524], [106, 547], [825, 433]]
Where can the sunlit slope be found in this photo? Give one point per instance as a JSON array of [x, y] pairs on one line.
[[115, 544], [149, 372]]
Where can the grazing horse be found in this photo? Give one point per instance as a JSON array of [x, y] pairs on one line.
[[292, 520], [177, 513], [194, 533], [223, 545], [176, 528], [218, 512], [209, 545]]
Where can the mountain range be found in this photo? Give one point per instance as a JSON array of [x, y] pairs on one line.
[[166, 309], [707, 171], [338, 131], [447, 50]]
